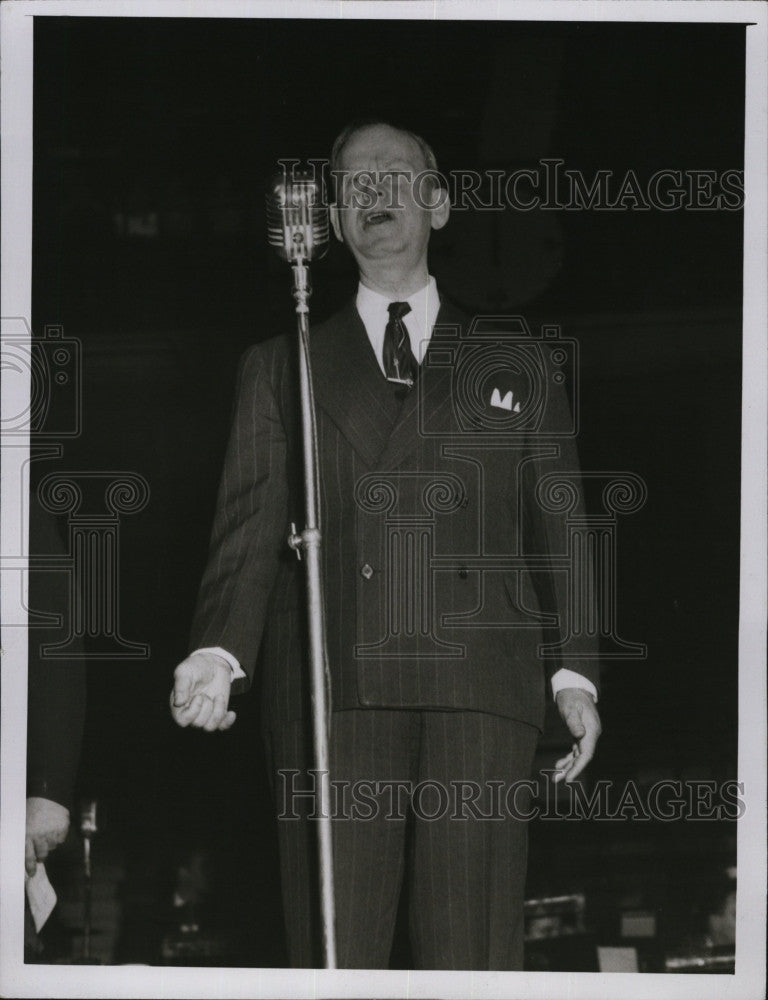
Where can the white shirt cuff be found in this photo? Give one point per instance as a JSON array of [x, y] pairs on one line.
[[234, 665], [563, 678]]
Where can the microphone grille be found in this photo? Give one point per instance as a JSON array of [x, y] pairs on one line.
[[298, 223]]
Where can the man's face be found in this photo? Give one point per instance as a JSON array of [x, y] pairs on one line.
[[382, 213]]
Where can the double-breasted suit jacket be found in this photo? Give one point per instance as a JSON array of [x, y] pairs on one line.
[[443, 572]]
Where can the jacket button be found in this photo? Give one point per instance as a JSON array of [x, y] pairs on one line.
[[367, 571], [463, 573]]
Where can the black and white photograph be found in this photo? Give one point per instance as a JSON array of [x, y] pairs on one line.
[[383, 499]]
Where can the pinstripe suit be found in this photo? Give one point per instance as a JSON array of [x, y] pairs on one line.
[[435, 671]]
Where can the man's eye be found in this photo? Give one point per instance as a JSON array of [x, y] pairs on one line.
[[360, 190]]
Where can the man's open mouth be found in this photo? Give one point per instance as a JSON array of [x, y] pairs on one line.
[[376, 217]]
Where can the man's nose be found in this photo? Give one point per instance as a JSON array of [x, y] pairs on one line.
[[387, 190]]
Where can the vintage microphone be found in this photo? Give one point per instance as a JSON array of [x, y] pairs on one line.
[[298, 229]]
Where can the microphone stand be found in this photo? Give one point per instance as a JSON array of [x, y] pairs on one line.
[[87, 829], [308, 542]]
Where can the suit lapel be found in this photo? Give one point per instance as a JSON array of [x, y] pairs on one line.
[[349, 385], [428, 409]]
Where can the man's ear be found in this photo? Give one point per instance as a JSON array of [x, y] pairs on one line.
[[441, 208], [336, 222]]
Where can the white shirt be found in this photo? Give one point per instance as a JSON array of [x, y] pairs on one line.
[[419, 322], [373, 309]]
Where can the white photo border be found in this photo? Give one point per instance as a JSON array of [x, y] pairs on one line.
[[18, 979]]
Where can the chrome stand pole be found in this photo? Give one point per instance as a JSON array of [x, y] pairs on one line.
[[308, 544]]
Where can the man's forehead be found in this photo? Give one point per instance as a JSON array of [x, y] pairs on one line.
[[381, 144]]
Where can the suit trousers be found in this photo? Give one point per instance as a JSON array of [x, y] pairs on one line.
[[417, 795]]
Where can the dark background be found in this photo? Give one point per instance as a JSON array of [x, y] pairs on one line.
[[153, 141]]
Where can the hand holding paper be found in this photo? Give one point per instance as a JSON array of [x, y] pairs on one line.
[[40, 895]]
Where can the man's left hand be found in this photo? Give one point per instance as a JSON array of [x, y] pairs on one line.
[[578, 711], [47, 825]]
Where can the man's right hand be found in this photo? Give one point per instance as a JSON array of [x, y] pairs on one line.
[[47, 825], [200, 693]]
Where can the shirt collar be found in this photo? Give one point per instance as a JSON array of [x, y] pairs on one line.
[[424, 303]]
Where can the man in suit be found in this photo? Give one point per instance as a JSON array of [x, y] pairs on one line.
[[434, 617]]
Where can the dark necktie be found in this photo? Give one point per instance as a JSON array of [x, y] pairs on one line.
[[399, 363]]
